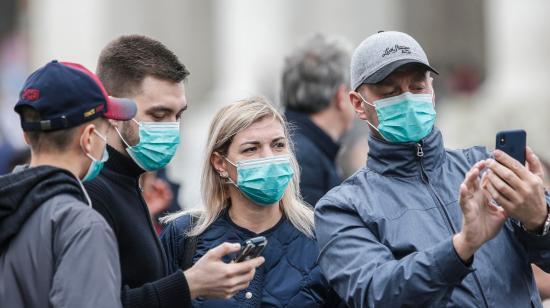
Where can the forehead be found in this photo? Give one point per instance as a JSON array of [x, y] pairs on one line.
[[157, 92], [264, 129]]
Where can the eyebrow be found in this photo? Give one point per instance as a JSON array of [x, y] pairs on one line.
[[257, 142], [155, 109]]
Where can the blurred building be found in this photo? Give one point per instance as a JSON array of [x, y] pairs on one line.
[[491, 55]]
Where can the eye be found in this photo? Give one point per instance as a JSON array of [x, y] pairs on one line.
[[249, 150], [390, 93], [279, 145], [158, 116]]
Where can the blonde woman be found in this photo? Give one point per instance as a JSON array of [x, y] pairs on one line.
[[250, 188]]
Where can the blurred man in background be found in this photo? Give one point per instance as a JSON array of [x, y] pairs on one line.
[[315, 94]]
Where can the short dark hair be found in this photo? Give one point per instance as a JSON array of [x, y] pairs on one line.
[[42, 141], [51, 141], [126, 61]]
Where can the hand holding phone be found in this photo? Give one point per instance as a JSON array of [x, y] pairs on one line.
[[251, 249]]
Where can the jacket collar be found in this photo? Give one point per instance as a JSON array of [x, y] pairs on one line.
[[122, 164], [402, 159], [303, 125]]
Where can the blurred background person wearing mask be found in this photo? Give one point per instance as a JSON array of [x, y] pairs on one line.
[[145, 70], [314, 93], [55, 251], [250, 188]]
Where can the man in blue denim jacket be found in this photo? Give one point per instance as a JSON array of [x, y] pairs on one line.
[[421, 225]]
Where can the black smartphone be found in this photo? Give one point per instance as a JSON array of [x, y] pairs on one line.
[[513, 143], [251, 249]]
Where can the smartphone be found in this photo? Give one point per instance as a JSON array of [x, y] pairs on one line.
[[251, 249], [513, 143]]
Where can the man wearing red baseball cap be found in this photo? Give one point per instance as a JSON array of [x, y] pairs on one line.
[[55, 250]]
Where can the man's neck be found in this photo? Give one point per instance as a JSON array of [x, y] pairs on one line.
[[252, 217], [65, 161], [330, 123]]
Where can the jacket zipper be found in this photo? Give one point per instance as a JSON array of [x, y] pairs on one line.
[[152, 229], [442, 209]]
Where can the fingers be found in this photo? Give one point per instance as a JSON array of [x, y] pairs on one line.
[[500, 199], [246, 266], [223, 249], [507, 163], [471, 179], [533, 163], [499, 188], [507, 175]]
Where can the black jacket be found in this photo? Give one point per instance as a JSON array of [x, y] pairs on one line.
[[54, 249], [316, 153], [146, 280]]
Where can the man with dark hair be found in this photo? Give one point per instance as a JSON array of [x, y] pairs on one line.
[[420, 225], [54, 249], [314, 92], [143, 69]]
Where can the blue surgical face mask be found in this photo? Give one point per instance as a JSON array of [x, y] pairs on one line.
[[263, 180], [404, 118], [158, 142], [97, 164]]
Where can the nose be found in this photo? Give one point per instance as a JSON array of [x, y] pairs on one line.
[[266, 151]]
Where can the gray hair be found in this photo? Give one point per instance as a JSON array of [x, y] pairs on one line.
[[313, 73]]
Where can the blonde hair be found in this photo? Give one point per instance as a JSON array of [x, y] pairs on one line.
[[228, 122]]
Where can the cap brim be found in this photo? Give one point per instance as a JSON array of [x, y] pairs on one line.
[[385, 71], [121, 109]]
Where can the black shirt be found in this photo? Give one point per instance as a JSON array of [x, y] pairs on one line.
[[146, 280], [316, 154]]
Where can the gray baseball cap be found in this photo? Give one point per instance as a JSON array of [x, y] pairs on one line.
[[382, 53]]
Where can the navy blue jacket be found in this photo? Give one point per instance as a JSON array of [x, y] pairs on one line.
[[290, 276], [316, 153], [386, 235]]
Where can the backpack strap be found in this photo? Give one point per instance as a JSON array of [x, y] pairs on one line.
[[189, 247]]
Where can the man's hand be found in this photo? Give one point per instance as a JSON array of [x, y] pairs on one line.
[[210, 277], [481, 220], [518, 189]]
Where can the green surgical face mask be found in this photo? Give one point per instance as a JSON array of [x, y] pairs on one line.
[[404, 118], [264, 180], [97, 164], [158, 142]]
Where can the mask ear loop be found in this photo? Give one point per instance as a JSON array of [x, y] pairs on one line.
[[120, 135], [90, 155], [373, 106], [228, 179]]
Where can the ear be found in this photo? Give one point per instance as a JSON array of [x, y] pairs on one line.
[[26, 137], [86, 138], [115, 123], [357, 103], [430, 84], [218, 162]]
